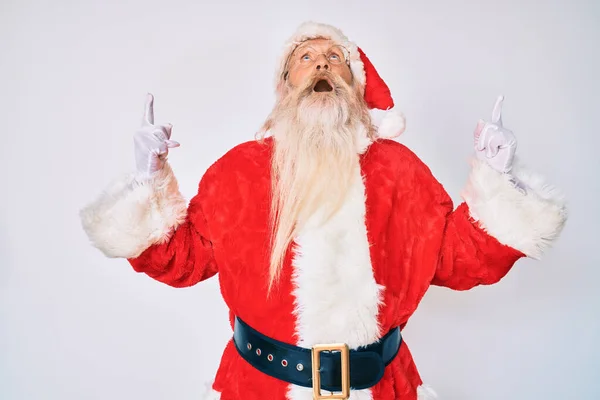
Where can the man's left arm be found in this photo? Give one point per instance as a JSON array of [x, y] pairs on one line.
[[508, 213]]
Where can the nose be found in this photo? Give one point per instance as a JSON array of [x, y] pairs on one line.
[[322, 63]]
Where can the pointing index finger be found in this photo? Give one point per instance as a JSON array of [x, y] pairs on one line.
[[497, 112], [149, 110]]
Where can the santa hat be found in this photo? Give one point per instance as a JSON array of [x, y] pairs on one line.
[[376, 93]]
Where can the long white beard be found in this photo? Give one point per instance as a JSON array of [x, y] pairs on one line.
[[314, 161]]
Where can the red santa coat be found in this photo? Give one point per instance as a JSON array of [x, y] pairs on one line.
[[350, 280]]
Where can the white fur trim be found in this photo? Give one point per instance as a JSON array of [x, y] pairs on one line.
[[391, 123], [337, 298], [131, 215], [210, 393], [312, 30], [213, 395], [425, 392], [529, 222], [362, 140]]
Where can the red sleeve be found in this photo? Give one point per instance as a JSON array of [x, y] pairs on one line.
[[469, 256], [186, 258], [498, 223]]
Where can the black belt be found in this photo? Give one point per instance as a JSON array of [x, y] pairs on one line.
[[339, 367]]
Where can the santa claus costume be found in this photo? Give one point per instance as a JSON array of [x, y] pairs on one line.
[[349, 284]]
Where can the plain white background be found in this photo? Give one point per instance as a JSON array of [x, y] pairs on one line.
[[73, 74]]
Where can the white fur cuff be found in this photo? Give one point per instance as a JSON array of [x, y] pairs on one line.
[[131, 215], [529, 222]]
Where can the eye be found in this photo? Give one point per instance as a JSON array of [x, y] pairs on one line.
[[306, 57], [335, 58]]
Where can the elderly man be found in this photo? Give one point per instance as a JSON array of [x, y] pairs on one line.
[[325, 233]]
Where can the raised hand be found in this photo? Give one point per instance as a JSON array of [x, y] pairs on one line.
[[151, 143], [495, 144]]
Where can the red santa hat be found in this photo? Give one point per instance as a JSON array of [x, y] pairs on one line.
[[376, 92]]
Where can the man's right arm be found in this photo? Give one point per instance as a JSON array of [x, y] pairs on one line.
[[144, 218]]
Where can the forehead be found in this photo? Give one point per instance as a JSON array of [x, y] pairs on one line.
[[317, 44]]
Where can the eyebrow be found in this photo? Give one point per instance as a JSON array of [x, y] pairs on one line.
[[300, 49]]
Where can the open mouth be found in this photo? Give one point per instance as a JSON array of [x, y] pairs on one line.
[[323, 85]]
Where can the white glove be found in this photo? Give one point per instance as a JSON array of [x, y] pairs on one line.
[[151, 143], [495, 144]]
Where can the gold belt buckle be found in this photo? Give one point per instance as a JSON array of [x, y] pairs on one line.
[[316, 366]]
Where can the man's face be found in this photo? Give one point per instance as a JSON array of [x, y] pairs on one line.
[[318, 55]]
